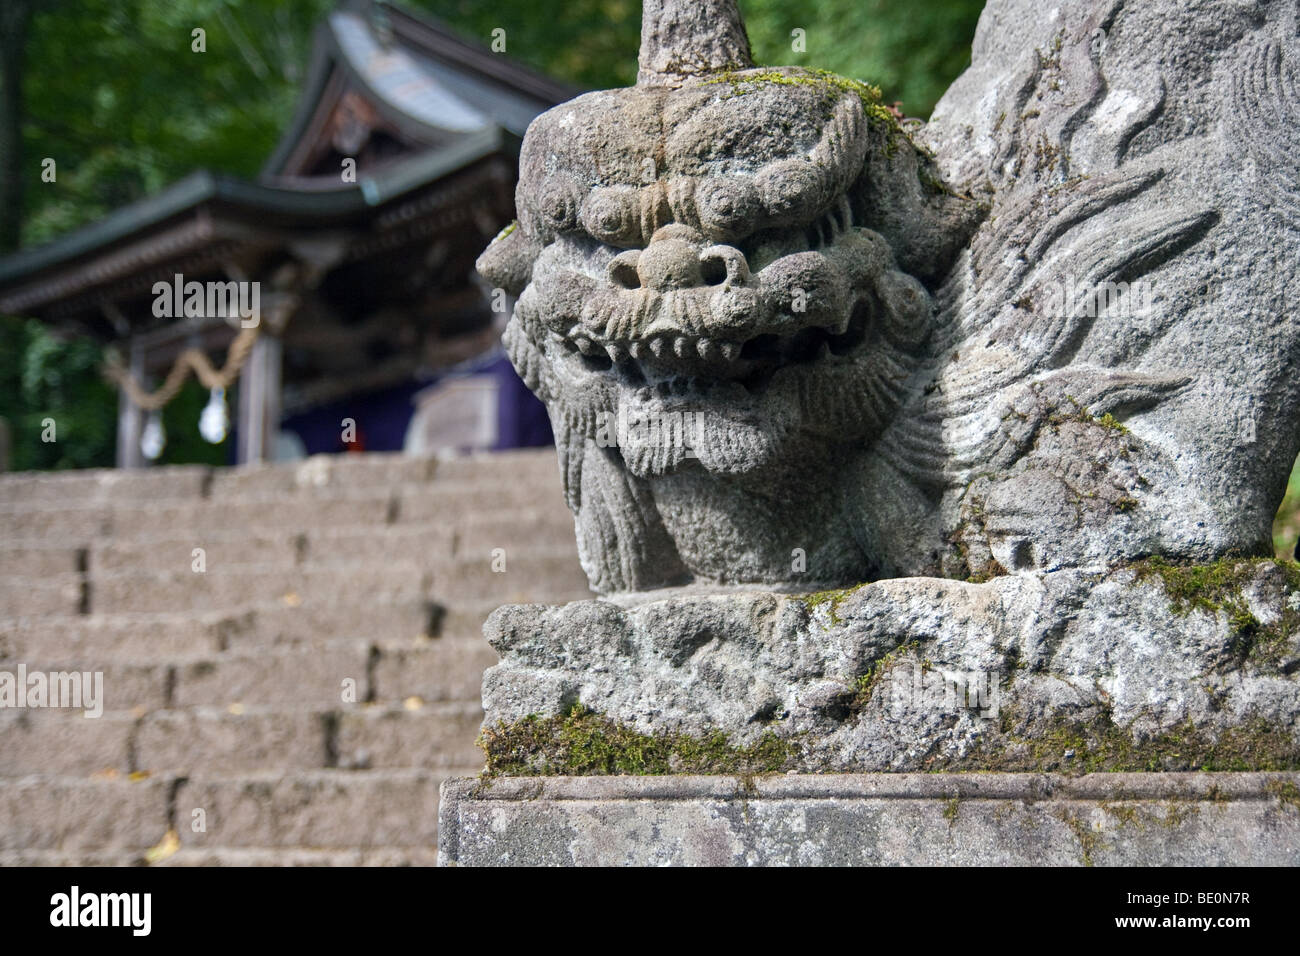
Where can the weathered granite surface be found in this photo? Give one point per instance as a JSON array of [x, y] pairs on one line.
[[874, 820], [1147, 668]]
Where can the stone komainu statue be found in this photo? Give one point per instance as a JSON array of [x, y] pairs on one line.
[[787, 340]]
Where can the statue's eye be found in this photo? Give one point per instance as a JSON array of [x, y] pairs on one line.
[[793, 191], [727, 208], [557, 204], [612, 214]]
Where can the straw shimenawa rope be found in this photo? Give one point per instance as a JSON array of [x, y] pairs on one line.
[[191, 359]]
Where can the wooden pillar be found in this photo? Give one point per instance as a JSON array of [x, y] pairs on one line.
[[259, 402], [130, 419]]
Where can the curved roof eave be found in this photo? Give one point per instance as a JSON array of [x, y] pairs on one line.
[[309, 208]]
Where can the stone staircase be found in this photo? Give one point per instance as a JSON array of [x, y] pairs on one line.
[[292, 693]]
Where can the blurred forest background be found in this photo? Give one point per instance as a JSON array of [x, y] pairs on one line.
[[111, 91]]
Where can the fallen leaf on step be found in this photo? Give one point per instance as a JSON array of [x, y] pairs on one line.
[[169, 844], [291, 599], [412, 703]]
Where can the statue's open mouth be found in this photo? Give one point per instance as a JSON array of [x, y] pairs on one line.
[[661, 360]]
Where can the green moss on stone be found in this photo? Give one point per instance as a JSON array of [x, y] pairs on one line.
[[1098, 745], [1218, 586], [879, 668], [1077, 412], [749, 81], [582, 742], [1089, 838], [951, 810], [1287, 793], [831, 600]]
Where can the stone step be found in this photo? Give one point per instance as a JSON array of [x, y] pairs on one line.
[[230, 856], [50, 594], [355, 737], [512, 576], [319, 472], [445, 501], [383, 469], [413, 734], [220, 549], [103, 486], [239, 739], [387, 812], [148, 485], [292, 514], [530, 531], [117, 637], [304, 676], [519, 578], [73, 815], [126, 685], [186, 590], [526, 531], [311, 675], [321, 809], [171, 636], [308, 623], [433, 670], [44, 858], [73, 525], [520, 464], [79, 523], [64, 742], [297, 856], [288, 677], [38, 560]]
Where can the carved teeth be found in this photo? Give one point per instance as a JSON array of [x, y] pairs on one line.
[[706, 349], [584, 345], [657, 346], [636, 349], [616, 352], [681, 346], [730, 350]]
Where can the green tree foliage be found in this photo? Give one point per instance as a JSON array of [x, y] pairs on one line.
[[911, 50], [116, 95], [44, 380]]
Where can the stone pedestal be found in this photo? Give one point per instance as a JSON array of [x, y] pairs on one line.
[[1119, 819]]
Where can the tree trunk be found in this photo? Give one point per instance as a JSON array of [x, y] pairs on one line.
[[15, 17]]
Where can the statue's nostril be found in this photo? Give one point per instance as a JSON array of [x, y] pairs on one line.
[[622, 270], [713, 269], [669, 264]]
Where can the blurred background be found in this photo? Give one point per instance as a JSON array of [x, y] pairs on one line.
[[111, 91]]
